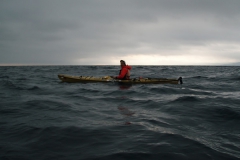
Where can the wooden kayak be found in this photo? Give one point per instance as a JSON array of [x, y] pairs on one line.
[[89, 79]]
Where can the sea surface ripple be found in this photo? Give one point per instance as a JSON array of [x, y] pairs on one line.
[[44, 118]]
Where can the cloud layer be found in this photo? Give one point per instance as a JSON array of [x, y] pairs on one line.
[[102, 32]]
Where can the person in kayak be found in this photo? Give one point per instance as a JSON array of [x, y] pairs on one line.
[[124, 72]]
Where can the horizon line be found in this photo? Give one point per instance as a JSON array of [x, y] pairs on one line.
[[19, 65]]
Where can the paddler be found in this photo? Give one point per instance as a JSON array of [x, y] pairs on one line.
[[124, 73]]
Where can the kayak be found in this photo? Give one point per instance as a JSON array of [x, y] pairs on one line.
[[89, 79]]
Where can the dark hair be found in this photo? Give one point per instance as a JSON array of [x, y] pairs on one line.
[[122, 61]]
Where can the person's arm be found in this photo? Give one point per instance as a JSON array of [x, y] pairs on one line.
[[122, 74]]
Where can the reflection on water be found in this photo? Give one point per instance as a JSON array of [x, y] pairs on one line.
[[125, 86], [126, 112]]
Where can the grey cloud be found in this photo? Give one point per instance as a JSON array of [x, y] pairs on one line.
[[59, 31]]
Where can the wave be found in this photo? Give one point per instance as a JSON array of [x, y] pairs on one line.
[[34, 88], [47, 105], [164, 155], [224, 113], [237, 78], [199, 77], [166, 146], [4, 77], [164, 90], [12, 111], [188, 99], [103, 143], [7, 84]]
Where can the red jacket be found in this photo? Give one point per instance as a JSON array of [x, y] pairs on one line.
[[123, 74]]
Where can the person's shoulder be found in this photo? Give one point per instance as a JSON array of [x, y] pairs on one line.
[[128, 67]]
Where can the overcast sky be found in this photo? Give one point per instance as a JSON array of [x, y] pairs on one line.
[[101, 32]]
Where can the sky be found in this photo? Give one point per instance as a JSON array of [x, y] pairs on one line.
[[102, 32]]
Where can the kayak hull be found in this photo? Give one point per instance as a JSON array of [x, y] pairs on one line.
[[90, 79]]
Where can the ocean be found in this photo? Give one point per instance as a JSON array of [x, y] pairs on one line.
[[43, 118]]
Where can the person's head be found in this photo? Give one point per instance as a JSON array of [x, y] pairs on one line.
[[122, 63]]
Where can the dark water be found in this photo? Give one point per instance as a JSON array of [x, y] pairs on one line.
[[43, 118]]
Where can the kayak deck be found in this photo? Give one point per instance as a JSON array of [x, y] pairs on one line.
[[89, 79]]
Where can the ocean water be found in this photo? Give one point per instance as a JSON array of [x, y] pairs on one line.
[[43, 118]]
